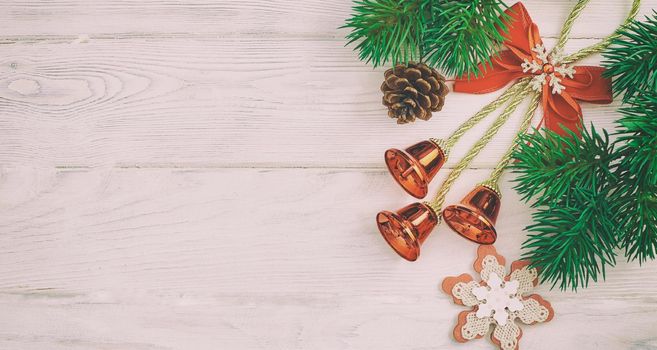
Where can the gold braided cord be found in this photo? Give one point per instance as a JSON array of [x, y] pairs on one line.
[[568, 25], [483, 113], [596, 48], [517, 97], [527, 120]]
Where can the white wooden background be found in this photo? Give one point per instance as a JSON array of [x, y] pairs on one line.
[[204, 174]]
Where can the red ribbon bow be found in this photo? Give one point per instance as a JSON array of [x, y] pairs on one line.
[[562, 86]]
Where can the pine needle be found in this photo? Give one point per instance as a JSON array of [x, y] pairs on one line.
[[636, 196], [463, 34], [454, 36], [388, 30], [550, 165], [632, 59], [591, 196], [573, 236]]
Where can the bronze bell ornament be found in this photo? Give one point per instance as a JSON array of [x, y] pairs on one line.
[[415, 167], [406, 229], [474, 218]]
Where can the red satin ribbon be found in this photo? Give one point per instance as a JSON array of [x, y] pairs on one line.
[[561, 111]]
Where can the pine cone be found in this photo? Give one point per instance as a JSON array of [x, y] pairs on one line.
[[413, 91]]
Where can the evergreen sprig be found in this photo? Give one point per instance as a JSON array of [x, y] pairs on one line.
[[550, 165], [591, 196], [388, 30], [572, 239], [632, 59], [452, 35], [463, 34], [636, 195]]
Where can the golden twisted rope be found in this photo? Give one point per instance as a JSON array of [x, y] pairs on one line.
[[568, 25], [527, 120], [519, 92], [479, 116], [595, 48]]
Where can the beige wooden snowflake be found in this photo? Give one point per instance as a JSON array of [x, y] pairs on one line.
[[497, 301]]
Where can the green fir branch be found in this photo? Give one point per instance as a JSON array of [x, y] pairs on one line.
[[550, 165], [573, 238], [591, 196], [463, 34], [388, 30], [636, 195], [631, 59], [454, 36]]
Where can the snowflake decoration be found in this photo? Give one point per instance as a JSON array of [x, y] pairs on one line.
[[549, 69], [498, 298], [495, 301]]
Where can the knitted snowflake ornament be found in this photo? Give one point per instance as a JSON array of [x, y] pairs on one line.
[[498, 300]]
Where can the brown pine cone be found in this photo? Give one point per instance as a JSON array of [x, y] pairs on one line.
[[413, 91]]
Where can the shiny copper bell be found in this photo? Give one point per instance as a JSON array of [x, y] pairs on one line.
[[416, 166], [474, 218], [406, 230]]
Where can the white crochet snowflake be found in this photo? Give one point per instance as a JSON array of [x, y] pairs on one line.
[[548, 66], [497, 297]]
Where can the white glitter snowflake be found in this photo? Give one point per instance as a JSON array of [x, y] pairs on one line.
[[549, 69], [497, 297]]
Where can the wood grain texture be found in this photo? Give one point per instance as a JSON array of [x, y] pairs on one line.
[[202, 174], [259, 18], [181, 259], [217, 103]]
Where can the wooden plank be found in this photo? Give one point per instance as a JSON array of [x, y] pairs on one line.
[[257, 259], [149, 322], [211, 258], [259, 18], [214, 103]]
